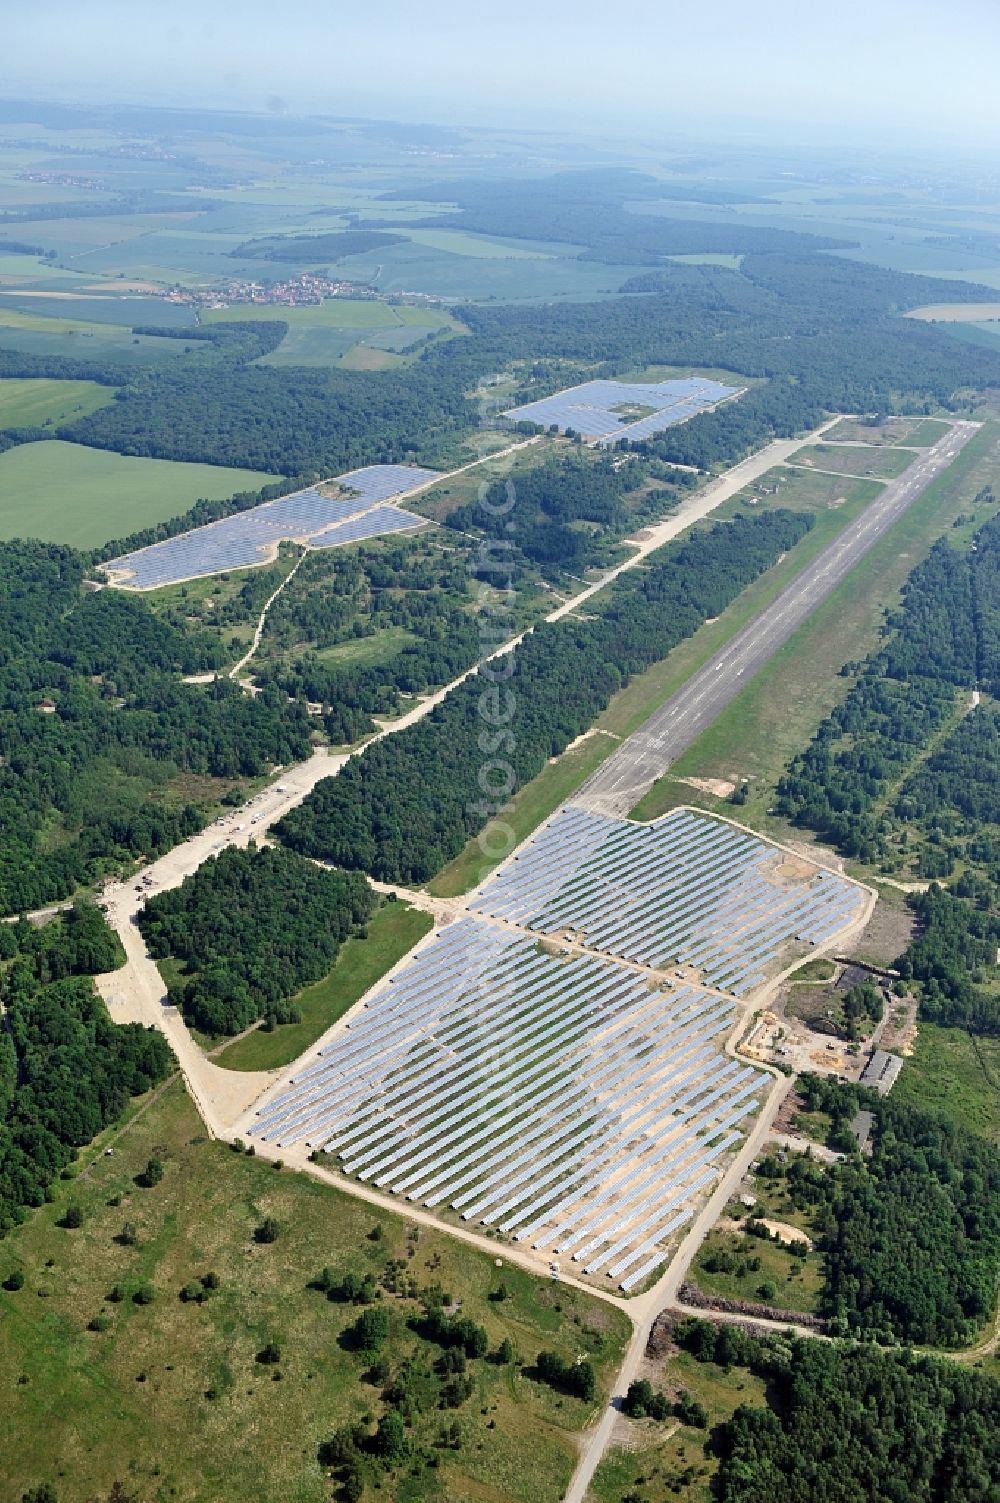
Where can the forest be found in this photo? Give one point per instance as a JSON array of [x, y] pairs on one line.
[[551, 501], [938, 642], [408, 803], [953, 957], [849, 1423], [99, 733], [910, 1234], [821, 333], [66, 1070], [249, 929]]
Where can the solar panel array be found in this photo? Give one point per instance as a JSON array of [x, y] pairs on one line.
[[249, 537], [686, 890], [560, 1098], [590, 409], [368, 524]]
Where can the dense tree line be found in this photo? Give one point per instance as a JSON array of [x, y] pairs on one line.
[[910, 1233], [408, 803], [953, 954], [541, 516], [66, 1070], [251, 928], [850, 1424], [95, 725], [587, 209], [307, 250], [904, 694]]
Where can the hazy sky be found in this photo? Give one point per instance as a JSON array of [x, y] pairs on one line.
[[892, 67]]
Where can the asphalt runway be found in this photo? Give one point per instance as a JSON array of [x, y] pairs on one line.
[[621, 781]]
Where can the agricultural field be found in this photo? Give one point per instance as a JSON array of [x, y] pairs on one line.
[[359, 333], [38, 402], [112, 1374], [66, 493]]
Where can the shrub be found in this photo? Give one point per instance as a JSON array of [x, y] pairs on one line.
[[576, 1378], [151, 1175], [267, 1231]]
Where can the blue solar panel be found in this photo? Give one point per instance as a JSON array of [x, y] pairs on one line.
[[591, 409], [251, 537]]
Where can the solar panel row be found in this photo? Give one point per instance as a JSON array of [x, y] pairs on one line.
[[550, 1093], [686, 889], [249, 537], [594, 408]]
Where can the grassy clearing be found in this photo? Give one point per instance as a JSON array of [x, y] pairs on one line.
[[916, 433], [532, 804], [784, 1281], [31, 403], [83, 1408], [780, 708], [927, 433], [479, 247], [882, 462], [361, 652], [955, 1074], [364, 357], [816, 970], [668, 1461], [393, 930], [67, 493]]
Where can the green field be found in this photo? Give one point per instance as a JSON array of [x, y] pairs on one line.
[[67, 493], [32, 403], [884, 463], [169, 1400], [796, 1282], [393, 930], [334, 313], [957, 1075]]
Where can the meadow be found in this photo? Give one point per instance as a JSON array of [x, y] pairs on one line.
[[956, 1074], [67, 493], [31, 403], [170, 1398]]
